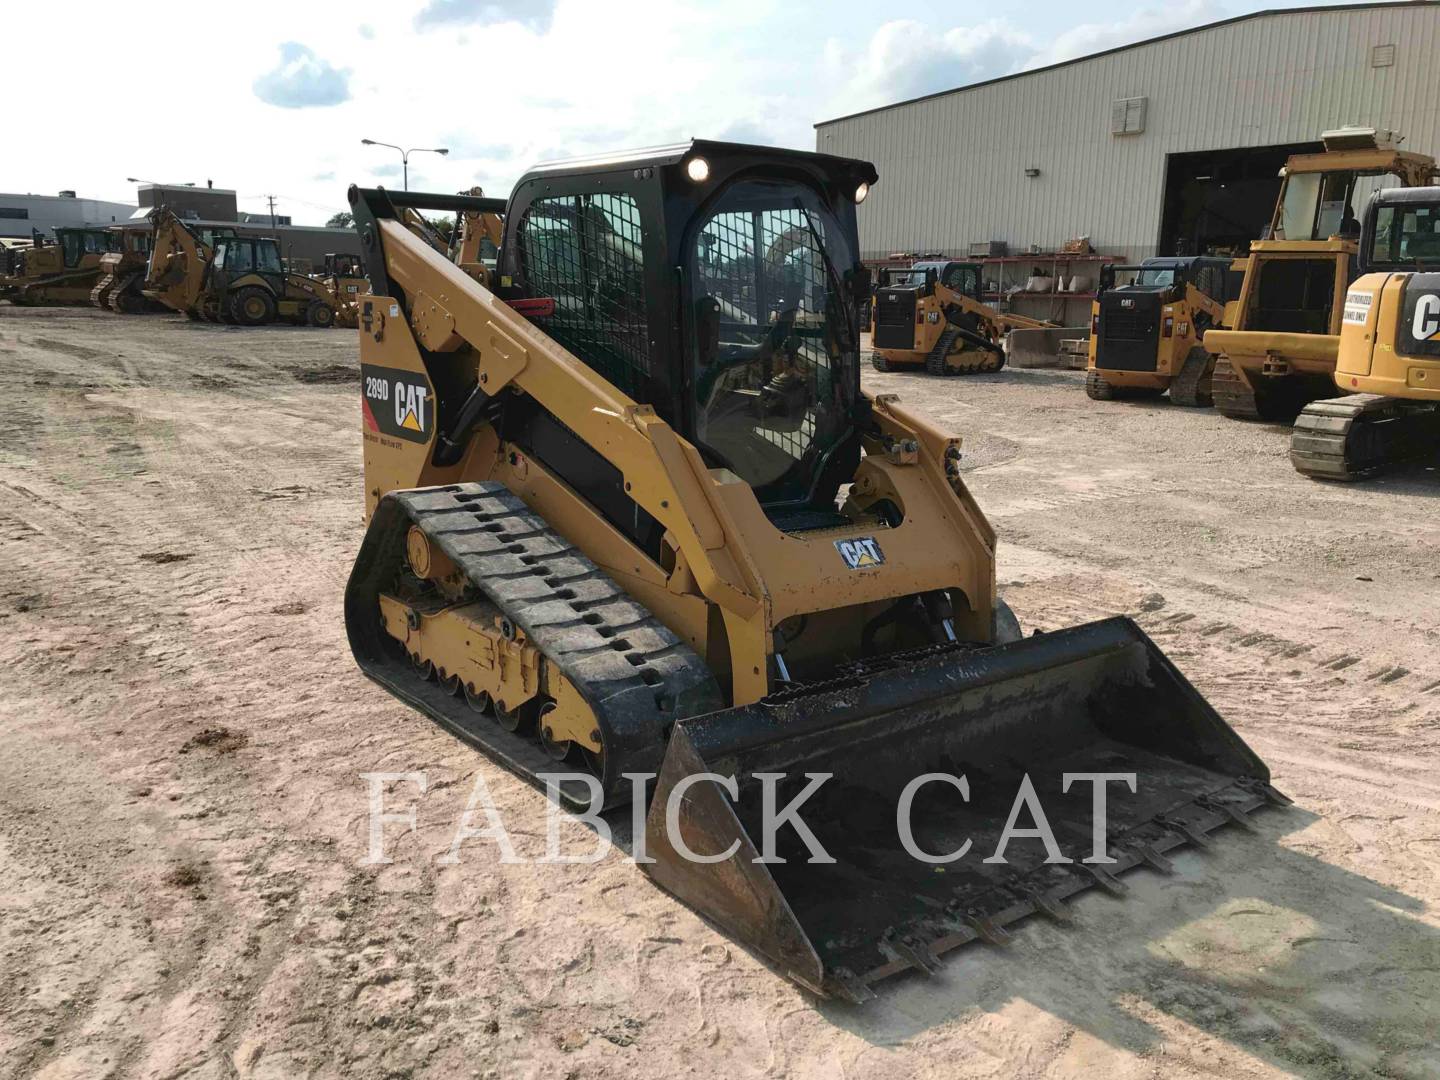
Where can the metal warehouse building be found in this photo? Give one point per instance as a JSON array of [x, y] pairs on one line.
[[1169, 146]]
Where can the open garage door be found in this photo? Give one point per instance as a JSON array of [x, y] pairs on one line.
[[1217, 201]]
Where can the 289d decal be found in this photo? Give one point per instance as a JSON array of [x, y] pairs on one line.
[[397, 403]]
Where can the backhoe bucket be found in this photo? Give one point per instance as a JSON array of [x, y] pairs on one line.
[[1098, 698]]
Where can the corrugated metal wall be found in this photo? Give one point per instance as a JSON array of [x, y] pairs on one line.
[[952, 168]]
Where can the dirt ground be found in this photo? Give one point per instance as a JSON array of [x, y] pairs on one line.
[[183, 819]]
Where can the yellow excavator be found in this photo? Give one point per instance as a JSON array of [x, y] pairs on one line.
[[636, 532], [1389, 358], [931, 315], [226, 277], [1277, 350], [62, 271]]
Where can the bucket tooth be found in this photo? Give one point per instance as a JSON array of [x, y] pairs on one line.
[[1153, 859], [991, 932], [1106, 880], [1233, 813], [1185, 829], [1052, 907], [915, 953], [847, 985]]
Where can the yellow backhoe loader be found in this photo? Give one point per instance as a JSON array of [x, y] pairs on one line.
[[1389, 357], [62, 271], [931, 316], [1146, 333], [180, 255], [633, 525], [479, 235], [232, 278], [345, 278], [1278, 348]]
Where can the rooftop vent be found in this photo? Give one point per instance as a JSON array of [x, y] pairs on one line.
[[1359, 138], [67, 194]]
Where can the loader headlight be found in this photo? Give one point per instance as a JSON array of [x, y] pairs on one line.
[[698, 169], [861, 192]]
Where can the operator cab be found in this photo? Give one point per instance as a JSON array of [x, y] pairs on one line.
[[718, 283], [75, 244], [1402, 230]]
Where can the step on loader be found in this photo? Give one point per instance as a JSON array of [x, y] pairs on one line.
[[633, 524]]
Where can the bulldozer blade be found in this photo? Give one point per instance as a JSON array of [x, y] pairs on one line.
[[1094, 699]]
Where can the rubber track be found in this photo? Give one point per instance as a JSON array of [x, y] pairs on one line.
[[936, 361], [634, 672], [1185, 388]]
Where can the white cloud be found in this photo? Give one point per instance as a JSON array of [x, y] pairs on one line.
[[601, 75], [536, 14], [907, 59], [301, 79]]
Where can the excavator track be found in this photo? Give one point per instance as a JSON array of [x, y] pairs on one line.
[[1359, 435], [634, 673], [1232, 397]]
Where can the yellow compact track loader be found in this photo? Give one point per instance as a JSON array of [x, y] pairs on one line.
[[1389, 349], [1277, 351], [1145, 334], [931, 316], [60, 272], [633, 524]]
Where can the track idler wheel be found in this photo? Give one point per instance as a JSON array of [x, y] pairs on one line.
[[478, 700], [556, 749], [520, 718]]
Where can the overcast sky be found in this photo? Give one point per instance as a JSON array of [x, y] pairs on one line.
[[274, 97]]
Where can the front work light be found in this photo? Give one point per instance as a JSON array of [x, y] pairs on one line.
[[861, 192], [698, 169]]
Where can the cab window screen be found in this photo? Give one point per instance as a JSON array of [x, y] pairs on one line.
[[586, 253]]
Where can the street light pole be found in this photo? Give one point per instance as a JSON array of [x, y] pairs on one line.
[[405, 155]]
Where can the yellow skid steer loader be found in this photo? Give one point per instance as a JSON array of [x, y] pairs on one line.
[[633, 521]]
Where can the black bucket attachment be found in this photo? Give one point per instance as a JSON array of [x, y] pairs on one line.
[[1098, 698]]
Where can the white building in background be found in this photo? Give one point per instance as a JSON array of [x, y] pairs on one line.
[[19, 214], [1169, 146]]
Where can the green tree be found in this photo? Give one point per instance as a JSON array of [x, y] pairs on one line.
[[342, 220]]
